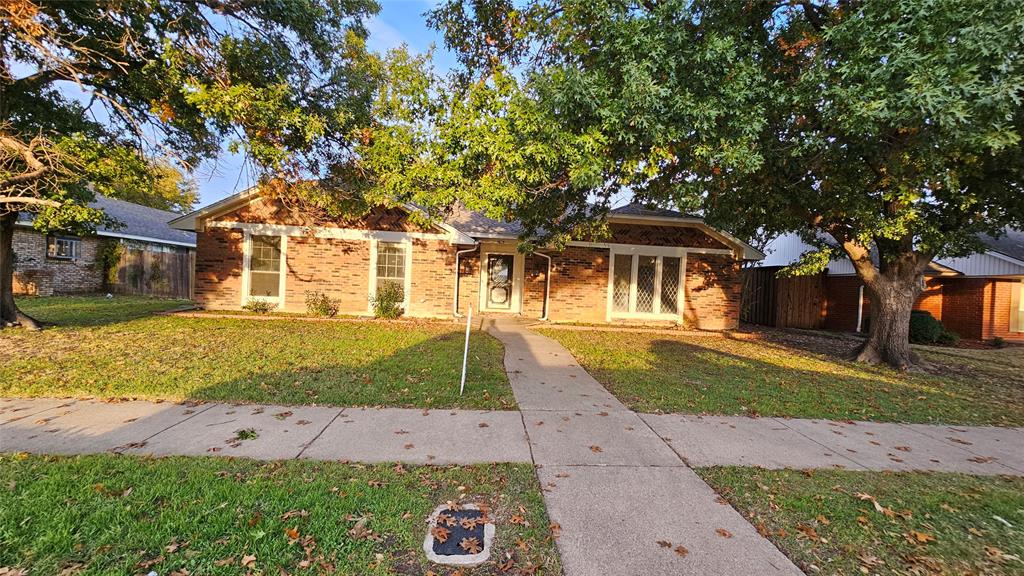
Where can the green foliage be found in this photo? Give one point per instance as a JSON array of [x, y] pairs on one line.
[[258, 306], [320, 304], [948, 338], [770, 117], [925, 329], [387, 302], [285, 83], [999, 342], [108, 256]]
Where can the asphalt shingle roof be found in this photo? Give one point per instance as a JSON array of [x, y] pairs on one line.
[[1011, 243], [142, 221]]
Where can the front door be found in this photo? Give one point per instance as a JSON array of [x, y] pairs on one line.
[[499, 281]]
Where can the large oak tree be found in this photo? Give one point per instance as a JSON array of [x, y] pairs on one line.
[[886, 131], [285, 82]]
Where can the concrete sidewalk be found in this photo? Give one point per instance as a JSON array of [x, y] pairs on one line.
[[613, 485], [281, 432]]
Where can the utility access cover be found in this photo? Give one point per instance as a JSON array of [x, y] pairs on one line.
[[459, 534]]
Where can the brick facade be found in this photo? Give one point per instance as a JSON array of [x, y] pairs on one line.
[[38, 275], [974, 308], [713, 288], [341, 269]]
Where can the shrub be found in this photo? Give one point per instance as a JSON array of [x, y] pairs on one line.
[[999, 342], [924, 328], [948, 338], [387, 303], [259, 306], [320, 304]]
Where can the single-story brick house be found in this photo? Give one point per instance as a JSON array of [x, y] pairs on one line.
[[979, 297], [48, 264], [658, 265]]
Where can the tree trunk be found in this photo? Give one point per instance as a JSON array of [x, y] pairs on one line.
[[889, 330], [9, 313]]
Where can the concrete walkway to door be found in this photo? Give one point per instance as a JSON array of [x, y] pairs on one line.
[[615, 487]]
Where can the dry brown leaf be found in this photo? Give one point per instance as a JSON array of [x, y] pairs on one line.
[[440, 533], [292, 533], [471, 545], [723, 532], [681, 551], [664, 543], [915, 537], [248, 560]]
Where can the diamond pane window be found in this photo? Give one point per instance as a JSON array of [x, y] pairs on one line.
[[646, 271], [622, 280], [669, 285], [643, 284]]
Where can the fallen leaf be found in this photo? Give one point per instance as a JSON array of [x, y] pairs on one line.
[[919, 537], [664, 543], [596, 449], [292, 533], [471, 545], [808, 531], [440, 533], [681, 551], [723, 532], [248, 560], [824, 521]]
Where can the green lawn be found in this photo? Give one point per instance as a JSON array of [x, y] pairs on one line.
[[116, 349], [827, 522], [125, 515], [725, 375]]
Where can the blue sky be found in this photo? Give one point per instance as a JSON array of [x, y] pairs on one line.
[[399, 22]]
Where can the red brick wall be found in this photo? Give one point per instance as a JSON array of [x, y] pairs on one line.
[[469, 282], [974, 308], [218, 279], [713, 287], [433, 278], [337, 268], [579, 285], [261, 211]]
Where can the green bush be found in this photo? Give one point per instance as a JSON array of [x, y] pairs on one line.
[[259, 306], [387, 303], [948, 338], [924, 328], [320, 304], [999, 342]]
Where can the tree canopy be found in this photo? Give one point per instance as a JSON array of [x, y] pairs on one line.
[[892, 127], [96, 96]]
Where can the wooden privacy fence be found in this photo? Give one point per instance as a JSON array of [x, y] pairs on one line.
[[793, 302], [164, 273]]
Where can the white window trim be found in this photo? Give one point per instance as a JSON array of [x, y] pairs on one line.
[[518, 277], [1017, 308], [660, 252], [281, 298], [407, 283]]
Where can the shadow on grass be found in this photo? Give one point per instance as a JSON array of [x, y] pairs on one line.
[[677, 376]]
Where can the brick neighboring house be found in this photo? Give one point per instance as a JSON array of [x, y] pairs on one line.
[[658, 265], [48, 264], [979, 297]]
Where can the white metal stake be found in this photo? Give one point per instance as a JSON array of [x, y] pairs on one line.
[[465, 351]]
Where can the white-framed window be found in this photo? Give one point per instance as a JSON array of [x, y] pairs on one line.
[[1017, 311], [646, 284], [391, 264], [63, 248], [265, 268]]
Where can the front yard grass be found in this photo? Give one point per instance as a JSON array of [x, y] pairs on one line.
[[112, 349], [827, 521], [767, 375], [124, 515]]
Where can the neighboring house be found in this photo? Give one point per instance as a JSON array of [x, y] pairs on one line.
[[979, 297], [153, 257], [658, 265]]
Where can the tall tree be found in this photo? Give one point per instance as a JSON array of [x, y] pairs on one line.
[[285, 82], [887, 131]]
